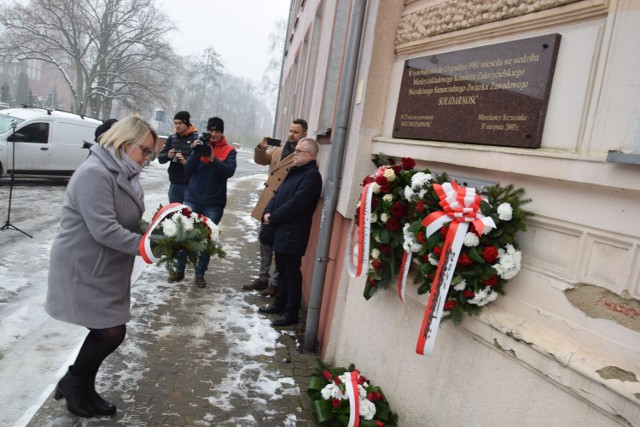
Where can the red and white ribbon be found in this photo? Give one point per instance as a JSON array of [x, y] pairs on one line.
[[404, 272], [145, 242], [355, 268], [354, 399], [460, 206]]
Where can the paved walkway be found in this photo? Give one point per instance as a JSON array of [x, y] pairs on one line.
[[204, 357]]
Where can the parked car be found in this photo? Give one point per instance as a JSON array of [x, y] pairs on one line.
[[47, 143]]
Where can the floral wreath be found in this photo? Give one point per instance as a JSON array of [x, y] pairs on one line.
[[173, 231], [410, 214], [344, 397]]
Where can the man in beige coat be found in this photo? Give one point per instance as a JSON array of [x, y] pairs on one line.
[[280, 161]]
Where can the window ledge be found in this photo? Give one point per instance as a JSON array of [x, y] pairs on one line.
[[624, 158]]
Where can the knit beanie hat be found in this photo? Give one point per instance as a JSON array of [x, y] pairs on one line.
[[183, 116], [104, 127], [215, 123]]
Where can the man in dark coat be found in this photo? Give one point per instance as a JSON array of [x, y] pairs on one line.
[[290, 211], [176, 150]]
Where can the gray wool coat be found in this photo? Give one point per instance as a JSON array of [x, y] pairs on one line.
[[92, 257]]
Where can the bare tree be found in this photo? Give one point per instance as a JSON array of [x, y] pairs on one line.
[[105, 50], [271, 73]]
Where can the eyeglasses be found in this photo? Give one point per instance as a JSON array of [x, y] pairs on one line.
[[301, 151], [146, 152]]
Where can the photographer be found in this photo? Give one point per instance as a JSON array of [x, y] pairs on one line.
[[176, 150], [213, 162]]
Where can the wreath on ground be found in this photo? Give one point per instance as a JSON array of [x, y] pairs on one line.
[[345, 397]]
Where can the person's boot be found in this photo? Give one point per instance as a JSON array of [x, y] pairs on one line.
[[72, 388], [99, 405]]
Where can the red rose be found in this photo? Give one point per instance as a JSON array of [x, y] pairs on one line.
[[420, 206], [421, 238], [408, 163], [382, 181], [186, 212], [326, 374], [393, 224], [374, 203], [444, 231], [376, 263], [372, 281], [379, 396], [397, 169], [450, 304], [437, 251], [464, 260], [385, 249], [385, 189], [335, 402], [337, 380], [361, 379], [379, 423], [469, 294], [490, 254], [425, 257], [372, 396], [367, 180], [397, 210], [491, 281]]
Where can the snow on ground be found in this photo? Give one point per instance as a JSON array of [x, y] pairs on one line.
[[35, 350]]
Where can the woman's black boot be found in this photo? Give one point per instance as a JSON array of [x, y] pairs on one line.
[[99, 405], [72, 388]]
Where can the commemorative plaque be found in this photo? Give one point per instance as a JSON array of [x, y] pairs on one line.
[[492, 95]]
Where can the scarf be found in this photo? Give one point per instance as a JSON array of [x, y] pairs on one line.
[[220, 151], [130, 169]]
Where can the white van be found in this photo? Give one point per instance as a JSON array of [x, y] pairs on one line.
[[47, 143]]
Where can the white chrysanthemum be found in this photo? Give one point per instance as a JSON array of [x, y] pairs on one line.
[[375, 253], [420, 179], [330, 391], [433, 260], [215, 231], [186, 223], [408, 193], [194, 217], [471, 240], [373, 217], [148, 215], [387, 197], [362, 392], [483, 297], [505, 212], [384, 217], [509, 262], [460, 286], [367, 409], [486, 230], [389, 174], [169, 228], [410, 244]]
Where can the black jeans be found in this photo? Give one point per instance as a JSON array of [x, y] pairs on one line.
[[289, 283]]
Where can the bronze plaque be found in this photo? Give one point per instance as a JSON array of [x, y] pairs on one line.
[[492, 95]]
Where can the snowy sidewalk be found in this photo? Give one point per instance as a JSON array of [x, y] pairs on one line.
[[204, 356]]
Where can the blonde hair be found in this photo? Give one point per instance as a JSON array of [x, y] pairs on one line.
[[128, 131]]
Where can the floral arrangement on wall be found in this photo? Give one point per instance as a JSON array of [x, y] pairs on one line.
[[462, 243]]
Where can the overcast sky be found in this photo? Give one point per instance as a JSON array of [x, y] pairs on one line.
[[237, 29]]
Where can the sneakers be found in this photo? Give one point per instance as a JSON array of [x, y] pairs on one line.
[[176, 277], [200, 282], [256, 285], [270, 291]]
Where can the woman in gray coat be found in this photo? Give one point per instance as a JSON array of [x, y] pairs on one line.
[[92, 257]]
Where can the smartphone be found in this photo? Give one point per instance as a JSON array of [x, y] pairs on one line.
[[274, 142]]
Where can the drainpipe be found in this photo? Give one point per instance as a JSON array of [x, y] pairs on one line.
[[345, 98], [284, 49]]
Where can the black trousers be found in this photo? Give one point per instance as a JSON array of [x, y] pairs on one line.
[[289, 283]]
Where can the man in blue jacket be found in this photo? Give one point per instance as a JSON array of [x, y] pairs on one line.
[[208, 168], [290, 211]]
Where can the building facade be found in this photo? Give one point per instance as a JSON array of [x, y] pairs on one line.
[[562, 346]]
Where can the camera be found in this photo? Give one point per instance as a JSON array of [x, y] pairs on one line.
[[204, 137], [175, 159]]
